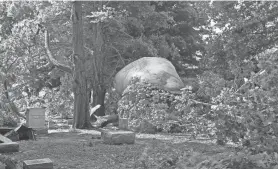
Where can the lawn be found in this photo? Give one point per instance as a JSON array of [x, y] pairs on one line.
[[84, 150]]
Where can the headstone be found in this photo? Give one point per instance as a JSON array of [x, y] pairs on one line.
[[123, 123], [44, 163], [35, 118], [52, 125], [70, 121], [147, 127], [9, 147], [118, 137], [41, 130]]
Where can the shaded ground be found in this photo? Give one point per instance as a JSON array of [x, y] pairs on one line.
[[78, 150]]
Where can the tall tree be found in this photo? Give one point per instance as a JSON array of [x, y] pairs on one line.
[[81, 90], [80, 84], [98, 59]]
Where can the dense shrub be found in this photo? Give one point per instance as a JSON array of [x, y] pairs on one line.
[[143, 101], [165, 110], [248, 115]]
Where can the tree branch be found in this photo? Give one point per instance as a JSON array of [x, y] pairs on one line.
[[46, 68], [52, 59], [119, 54], [10, 66]]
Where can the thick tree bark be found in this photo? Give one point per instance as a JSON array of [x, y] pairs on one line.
[[99, 89], [80, 84], [80, 88], [98, 98]]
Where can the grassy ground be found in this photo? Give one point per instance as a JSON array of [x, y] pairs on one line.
[[78, 150]]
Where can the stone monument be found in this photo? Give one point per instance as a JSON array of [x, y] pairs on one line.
[[35, 119]]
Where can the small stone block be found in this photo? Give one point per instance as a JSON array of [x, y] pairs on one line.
[[147, 127], [41, 130], [118, 137], [9, 147], [70, 121], [123, 123], [44, 163]]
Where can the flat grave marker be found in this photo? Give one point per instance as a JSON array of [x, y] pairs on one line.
[[44, 163], [115, 137]]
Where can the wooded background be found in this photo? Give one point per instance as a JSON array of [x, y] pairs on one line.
[[53, 54]]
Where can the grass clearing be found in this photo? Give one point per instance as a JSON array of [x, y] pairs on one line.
[[78, 150]]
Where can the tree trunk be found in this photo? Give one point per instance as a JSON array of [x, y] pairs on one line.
[[80, 88], [98, 98], [99, 88]]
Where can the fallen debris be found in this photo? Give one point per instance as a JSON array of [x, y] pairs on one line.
[[8, 145], [21, 133], [4, 139], [4, 130]]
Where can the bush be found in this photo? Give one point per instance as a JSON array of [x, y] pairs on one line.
[[143, 101], [248, 115], [166, 111]]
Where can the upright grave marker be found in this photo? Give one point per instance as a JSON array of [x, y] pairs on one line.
[[35, 119]]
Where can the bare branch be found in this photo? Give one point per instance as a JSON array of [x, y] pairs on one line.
[[10, 66], [52, 59], [118, 54]]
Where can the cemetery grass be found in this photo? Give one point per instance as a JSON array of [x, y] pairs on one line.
[[70, 150]]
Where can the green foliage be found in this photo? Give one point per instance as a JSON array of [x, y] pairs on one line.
[[251, 114], [166, 111], [236, 99], [142, 101], [176, 158], [210, 85], [244, 115], [60, 101], [130, 31], [238, 32], [139, 29], [8, 119]]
